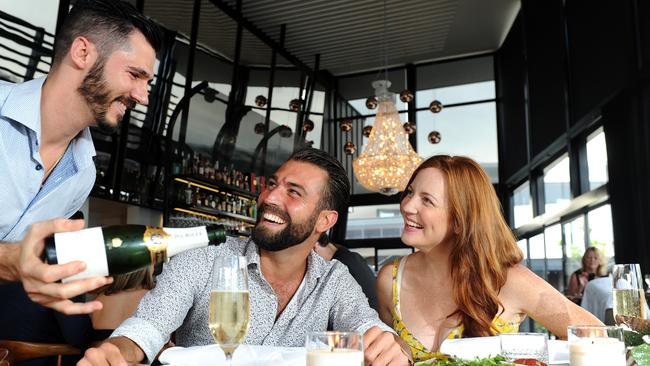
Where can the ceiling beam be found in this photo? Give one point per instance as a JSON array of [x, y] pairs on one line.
[[252, 28]]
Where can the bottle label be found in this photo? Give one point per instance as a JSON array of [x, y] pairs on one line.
[[157, 241], [186, 238], [84, 245]]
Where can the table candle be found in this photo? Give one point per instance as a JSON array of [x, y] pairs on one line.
[[597, 352], [335, 356]]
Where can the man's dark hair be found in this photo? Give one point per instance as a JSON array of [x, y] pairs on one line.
[[337, 191], [107, 24], [323, 239]]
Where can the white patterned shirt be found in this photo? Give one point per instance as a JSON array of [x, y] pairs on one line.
[[329, 298]]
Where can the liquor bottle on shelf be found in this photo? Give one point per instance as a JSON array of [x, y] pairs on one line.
[[217, 172], [121, 249], [188, 194]]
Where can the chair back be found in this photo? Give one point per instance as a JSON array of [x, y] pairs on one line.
[[17, 351]]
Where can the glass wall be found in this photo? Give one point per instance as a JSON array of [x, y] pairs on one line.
[[522, 205], [597, 159], [557, 185], [377, 221], [18, 58]]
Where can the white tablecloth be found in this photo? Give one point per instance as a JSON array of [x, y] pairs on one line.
[[243, 356], [467, 348]]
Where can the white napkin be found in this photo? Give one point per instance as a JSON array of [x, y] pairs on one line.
[[558, 352], [244, 355], [470, 348]]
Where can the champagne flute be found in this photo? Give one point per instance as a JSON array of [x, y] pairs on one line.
[[629, 297], [229, 303]]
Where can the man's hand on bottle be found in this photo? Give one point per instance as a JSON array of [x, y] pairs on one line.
[[40, 279]]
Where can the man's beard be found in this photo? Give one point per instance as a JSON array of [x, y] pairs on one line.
[[292, 234], [95, 90]]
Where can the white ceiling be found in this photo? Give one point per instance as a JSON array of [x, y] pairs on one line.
[[349, 34]]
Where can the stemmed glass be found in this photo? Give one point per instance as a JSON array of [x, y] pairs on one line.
[[229, 303], [629, 298]]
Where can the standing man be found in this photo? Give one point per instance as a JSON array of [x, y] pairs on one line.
[[103, 60], [292, 289]]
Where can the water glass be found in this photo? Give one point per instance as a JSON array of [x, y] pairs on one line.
[[629, 296], [596, 346], [524, 345], [334, 348]]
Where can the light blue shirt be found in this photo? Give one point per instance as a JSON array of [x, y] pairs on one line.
[[22, 198]]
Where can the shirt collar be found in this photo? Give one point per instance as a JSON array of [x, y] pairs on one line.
[[23, 104], [316, 265]]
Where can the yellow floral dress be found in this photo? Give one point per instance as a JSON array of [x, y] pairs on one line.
[[419, 351]]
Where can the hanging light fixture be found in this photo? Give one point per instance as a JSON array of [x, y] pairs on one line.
[[388, 160]]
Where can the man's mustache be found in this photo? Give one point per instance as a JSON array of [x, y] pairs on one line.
[[128, 102]]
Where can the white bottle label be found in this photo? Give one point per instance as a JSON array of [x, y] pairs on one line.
[[183, 239], [84, 245]]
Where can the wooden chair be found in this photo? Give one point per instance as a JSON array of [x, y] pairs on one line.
[[18, 351]]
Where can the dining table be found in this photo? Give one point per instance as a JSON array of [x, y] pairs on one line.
[[253, 355]]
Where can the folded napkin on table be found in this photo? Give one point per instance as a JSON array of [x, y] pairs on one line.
[[245, 355]]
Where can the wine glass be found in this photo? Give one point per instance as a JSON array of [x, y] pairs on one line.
[[229, 303], [629, 297]]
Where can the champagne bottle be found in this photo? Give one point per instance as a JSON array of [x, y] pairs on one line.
[[125, 248]]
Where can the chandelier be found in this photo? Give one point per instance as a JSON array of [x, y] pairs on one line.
[[388, 160]]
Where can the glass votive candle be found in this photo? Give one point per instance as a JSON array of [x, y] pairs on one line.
[[516, 346], [596, 346], [334, 348]]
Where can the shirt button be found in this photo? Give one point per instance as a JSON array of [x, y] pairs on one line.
[[39, 167]]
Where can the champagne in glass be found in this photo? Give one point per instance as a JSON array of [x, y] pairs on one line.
[[629, 299], [229, 303]]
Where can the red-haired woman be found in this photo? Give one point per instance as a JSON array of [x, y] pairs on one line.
[[465, 280]]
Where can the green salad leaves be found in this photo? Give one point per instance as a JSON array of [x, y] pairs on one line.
[[490, 361]]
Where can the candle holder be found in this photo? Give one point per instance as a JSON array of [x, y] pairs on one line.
[[334, 348], [596, 346]]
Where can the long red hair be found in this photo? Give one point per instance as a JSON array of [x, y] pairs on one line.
[[484, 246]]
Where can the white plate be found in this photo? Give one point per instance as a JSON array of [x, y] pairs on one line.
[[470, 348]]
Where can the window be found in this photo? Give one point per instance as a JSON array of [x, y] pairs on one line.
[[523, 245], [523, 206], [574, 239], [537, 261], [597, 159], [15, 57], [554, 267], [601, 234], [469, 130], [456, 94], [378, 221], [557, 185]]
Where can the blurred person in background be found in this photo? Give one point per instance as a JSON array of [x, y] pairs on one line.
[[356, 264], [593, 265]]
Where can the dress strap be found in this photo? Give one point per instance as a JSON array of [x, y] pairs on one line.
[[398, 271]]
